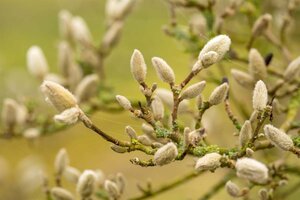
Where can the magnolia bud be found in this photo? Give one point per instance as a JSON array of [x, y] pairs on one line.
[[130, 132], [71, 174], [58, 96], [261, 24], [197, 66], [31, 133], [112, 35], [232, 189], [209, 59], [166, 96], [55, 78], [112, 189], [68, 116], [163, 70], [124, 102], [145, 140], [260, 96], [80, 31], [100, 178], [9, 113], [116, 10], [58, 193], [186, 136], [219, 44], [138, 66], [61, 161], [292, 71], [157, 108], [245, 133], [242, 78], [121, 183], [252, 170], [118, 149], [64, 58], [210, 161], [219, 94], [165, 154], [263, 194], [85, 185], [87, 88], [193, 90], [257, 66], [278, 137], [197, 25], [65, 18], [36, 62]]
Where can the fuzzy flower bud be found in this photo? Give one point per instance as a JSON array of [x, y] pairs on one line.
[[252, 170], [157, 108], [116, 9], [65, 18], [112, 189], [278, 137], [165, 154], [138, 66], [64, 57], [121, 182], [36, 62], [242, 78], [219, 44], [61, 161], [261, 24], [130, 132], [124, 102], [31, 133], [80, 30], [245, 133], [85, 185], [197, 25], [58, 96], [112, 35], [209, 59], [193, 90], [219, 94], [145, 140], [9, 113], [260, 96], [163, 70], [71, 174], [210, 161], [232, 189], [293, 70], [197, 66], [87, 88], [68, 116], [58, 193], [257, 66]]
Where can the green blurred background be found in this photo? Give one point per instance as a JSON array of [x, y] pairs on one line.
[[35, 22]]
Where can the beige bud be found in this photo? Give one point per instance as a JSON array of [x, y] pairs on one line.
[[71, 174], [242, 78], [138, 66], [112, 189], [197, 66], [65, 18], [100, 178], [196, 136], [36, 62], [157, 108], [130, 132], [58, 96], [257, 66], [118, 149], [61, 161], [58, 193], [261, 24], [193, 90], [219, 44], [117, 10], [75, 75], [232, 189], [121, 182], [245, 133], [148, 130], [9, 113], [293, 70], [85, 185], [263, 194], [68, 116], [219, 94], [209, 59], [252, 170], [260, 96], [278, 137], [124, 102], [32, 133], [80, 31], [145, 140], [166, 96], [165, 154], [186, 136], [87, 88], [210, 161], [163, 70], [112, 35], [249, 152], [197, 25], [65, 58]]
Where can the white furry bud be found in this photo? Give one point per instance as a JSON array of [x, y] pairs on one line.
[[157, 108], [58, 193], [130, 132], [71, 174], [124, 102], [85, 185], [245, 133], [210, 161], [193, 90], [9, 113], [252, 170], [165, 154], [242, 78], [278, 137], [219, 94], [198, 25], [65, 18], [121, 182], [36, 62], [68, 116], [232, 189], [138, 66], [65, 57], [87, 88], [209, 59], [219, 44], [32, 133], [163, 70], [261, 24], [116, 9], [112, 189], [80, 31], [260, 96], [257, 66], [61, 161], [112, 35], [144, 139], [58, 96], [293, 70]]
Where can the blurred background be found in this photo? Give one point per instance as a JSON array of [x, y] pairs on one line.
[[34, 22]]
